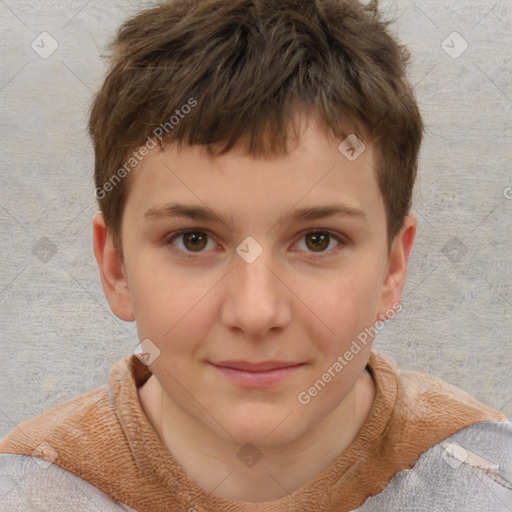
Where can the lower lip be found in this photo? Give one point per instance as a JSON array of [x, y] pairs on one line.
[[258, 379]]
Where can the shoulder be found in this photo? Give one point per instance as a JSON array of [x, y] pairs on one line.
[[425, 400], [432, 395], [85, 425], [471, 470], [67, 420], [48, 462], [86, 438], [82, 436]]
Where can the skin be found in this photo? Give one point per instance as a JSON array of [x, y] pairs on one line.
[[298, 302]]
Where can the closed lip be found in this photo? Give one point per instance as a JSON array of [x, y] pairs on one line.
[[264, 366]]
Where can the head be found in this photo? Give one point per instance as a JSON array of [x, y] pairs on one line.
[[237, 109]]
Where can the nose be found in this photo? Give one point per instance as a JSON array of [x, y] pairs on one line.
[[256, 299]]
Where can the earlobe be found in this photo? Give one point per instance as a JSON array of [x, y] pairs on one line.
[[112, 272], [391, 291]]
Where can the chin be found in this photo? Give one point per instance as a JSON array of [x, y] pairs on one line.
[[264, 431]]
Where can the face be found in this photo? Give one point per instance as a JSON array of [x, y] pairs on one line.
[[230, 262]]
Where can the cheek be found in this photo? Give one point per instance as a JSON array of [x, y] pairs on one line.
[[165, 297], [178, 317], [351, 305], [346, 346]]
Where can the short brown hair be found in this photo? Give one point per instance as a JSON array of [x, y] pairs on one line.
[[246, 66]]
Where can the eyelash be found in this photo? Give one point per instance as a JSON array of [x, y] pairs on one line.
[[190, 254]]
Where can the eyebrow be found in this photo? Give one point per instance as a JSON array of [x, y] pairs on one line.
[[205, 214]]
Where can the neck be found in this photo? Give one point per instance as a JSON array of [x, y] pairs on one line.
[[209, 460]]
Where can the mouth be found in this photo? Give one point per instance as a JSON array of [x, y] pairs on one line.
[[257, 375]]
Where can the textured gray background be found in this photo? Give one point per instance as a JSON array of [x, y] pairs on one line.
[[58, 335]]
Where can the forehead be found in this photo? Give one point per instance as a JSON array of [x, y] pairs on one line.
[[317, 171]]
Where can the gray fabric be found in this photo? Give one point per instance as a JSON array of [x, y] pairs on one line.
[[30, 484], [439, 482]]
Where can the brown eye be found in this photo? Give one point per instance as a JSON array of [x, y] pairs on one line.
[[318, 242], [191, 242], [195, 241]]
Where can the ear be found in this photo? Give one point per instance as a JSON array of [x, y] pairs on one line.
[[391, 291], [112, 271]]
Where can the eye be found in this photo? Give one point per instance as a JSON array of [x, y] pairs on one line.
[[319, 241], [316, 242], [191, 241]]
